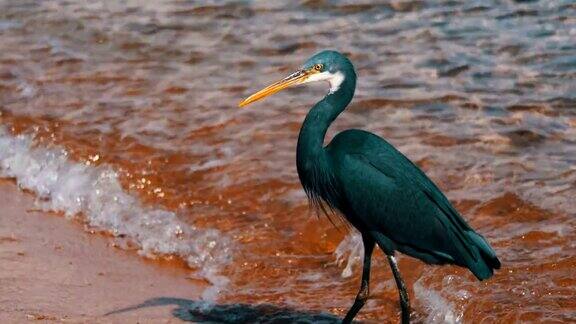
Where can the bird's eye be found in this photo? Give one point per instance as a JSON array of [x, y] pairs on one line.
[[318, 67]]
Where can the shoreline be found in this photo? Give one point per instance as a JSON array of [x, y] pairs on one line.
[[50, 270]]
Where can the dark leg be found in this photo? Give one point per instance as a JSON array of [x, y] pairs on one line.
[[363, 294], [404, 302]]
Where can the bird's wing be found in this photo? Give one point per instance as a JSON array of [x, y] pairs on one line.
[[391, 195]]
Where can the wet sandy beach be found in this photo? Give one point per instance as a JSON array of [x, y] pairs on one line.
[[51, 271]]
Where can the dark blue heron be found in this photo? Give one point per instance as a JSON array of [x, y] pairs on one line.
[[387, 198]]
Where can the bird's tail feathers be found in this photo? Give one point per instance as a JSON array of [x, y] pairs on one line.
[[484, 267]]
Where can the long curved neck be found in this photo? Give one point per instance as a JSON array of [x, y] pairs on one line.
[[319, 118]]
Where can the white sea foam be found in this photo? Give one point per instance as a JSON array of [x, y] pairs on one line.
[[438, 309], [96, 194], [351, 250]]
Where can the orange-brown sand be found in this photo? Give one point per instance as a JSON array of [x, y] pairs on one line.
[[52, 270]]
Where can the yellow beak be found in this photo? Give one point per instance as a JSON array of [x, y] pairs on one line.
[[295, 78]]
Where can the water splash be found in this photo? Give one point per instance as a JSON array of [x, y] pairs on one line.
[[96, 194], [351, 251], [439, 309]]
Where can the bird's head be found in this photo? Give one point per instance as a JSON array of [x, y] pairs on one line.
[[330, 66]]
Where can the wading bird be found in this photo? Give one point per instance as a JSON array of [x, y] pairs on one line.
[[387, 198]]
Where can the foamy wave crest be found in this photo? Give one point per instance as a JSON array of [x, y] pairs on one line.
[[96, 193]]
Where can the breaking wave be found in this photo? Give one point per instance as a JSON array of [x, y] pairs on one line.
[[96, 194]]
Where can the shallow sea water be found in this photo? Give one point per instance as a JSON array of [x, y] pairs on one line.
[[124, 114]]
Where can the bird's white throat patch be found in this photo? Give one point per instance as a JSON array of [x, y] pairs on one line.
[[335, 79]]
